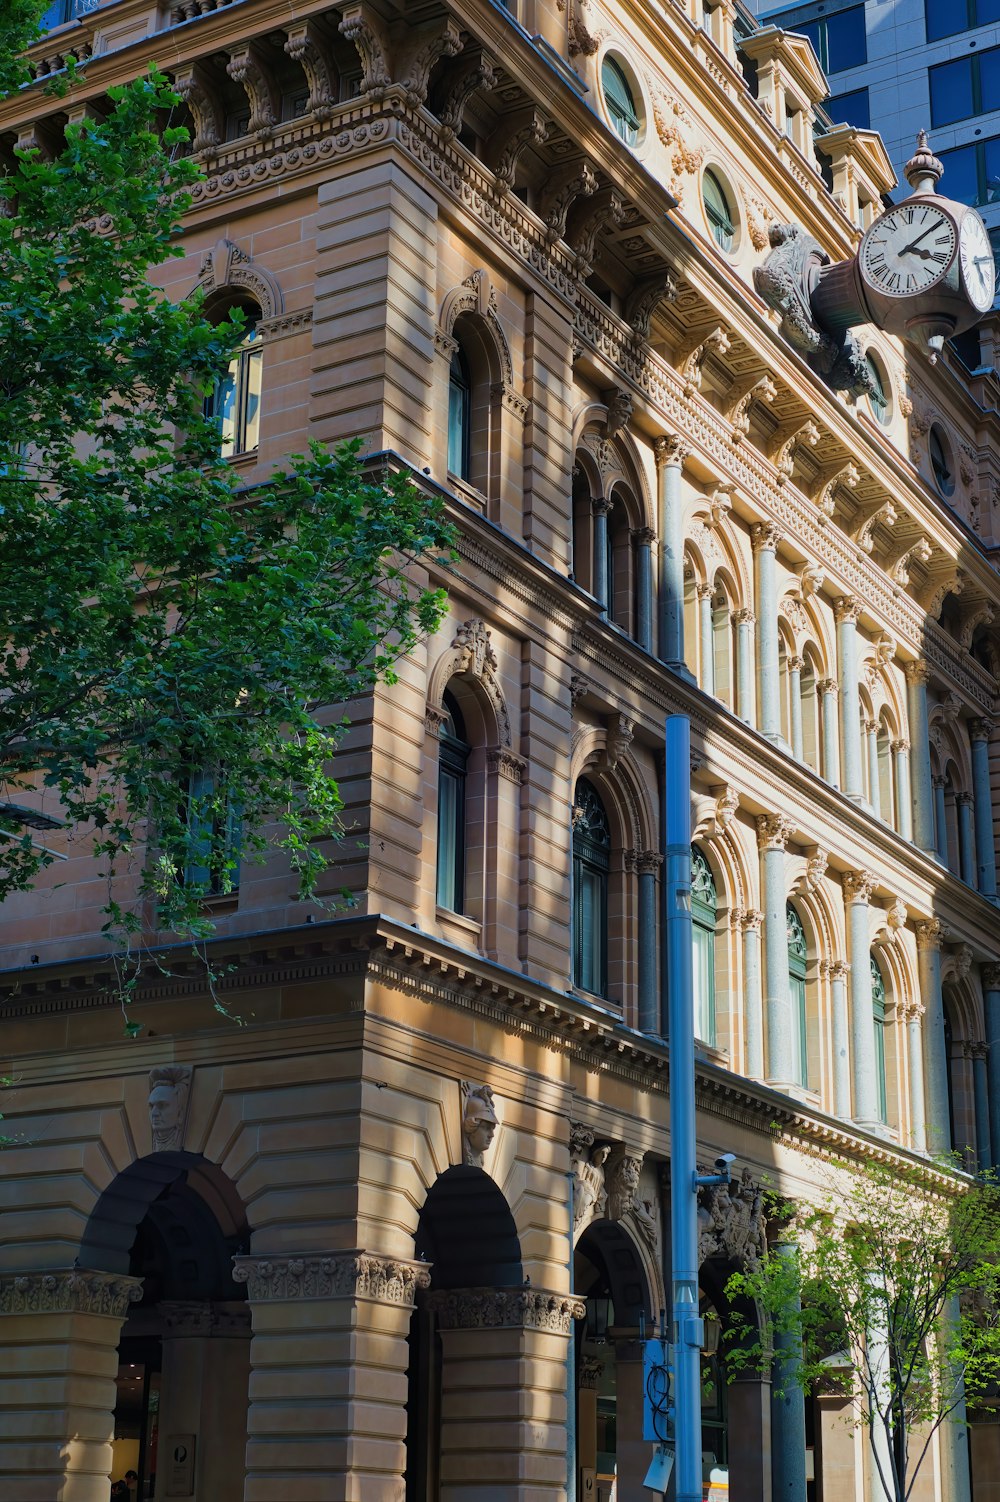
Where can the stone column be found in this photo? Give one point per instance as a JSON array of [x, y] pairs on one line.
[[788, 1416], [670, 454], [913, 1013], [929, 939], [644, 538], [828, 691], [330, 1332], [586, 1416], [503, 1365], [59, 1334], [917, 674], [766, 537], [858, 887], [795, 694], [750, 921], [744, 620], [990, 976], [633, 1452], [206, 1376], [980, 732], [600, 509], [847, 611], [904, 804], [966, 839], [647, 864], [839, 971], [706, 637], [940, 821], [773, 833], [749, 1398], [874, 790], [979, 1053]]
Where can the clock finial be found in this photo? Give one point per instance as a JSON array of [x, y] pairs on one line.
[[924, 170]]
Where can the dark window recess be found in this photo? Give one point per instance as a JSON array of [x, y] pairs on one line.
[[839, 40], [943, 18], [972, 173], [459, 417], [452, 762], [852, 107], [591, 865], [967, 87]]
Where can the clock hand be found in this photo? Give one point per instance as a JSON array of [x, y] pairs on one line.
[[914, 243]]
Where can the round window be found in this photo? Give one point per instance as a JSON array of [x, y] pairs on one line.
[[619, 96], [718, 211], [941, 461], [879, 395]]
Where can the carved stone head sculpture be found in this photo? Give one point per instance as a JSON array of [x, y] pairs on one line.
[[169, 1086], [479, 1122]]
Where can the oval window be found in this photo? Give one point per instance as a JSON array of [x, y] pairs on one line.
[[620, 101], [718, 212], [941, 463], [878, 396]]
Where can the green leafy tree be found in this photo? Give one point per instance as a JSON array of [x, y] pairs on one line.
[[169, 640], [890, 1287]]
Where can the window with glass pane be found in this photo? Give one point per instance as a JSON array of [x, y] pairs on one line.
[[717, 211], [945, 17], [940, 461], [591, 864], [619, 99], [839, 41], [961, 174], [235, 403], [62, 11], [876, 397], [211, 813], [453, 758], [797, 957], [878, 1017], [852, 108], [952, 93], [459, 416], [704, 905]]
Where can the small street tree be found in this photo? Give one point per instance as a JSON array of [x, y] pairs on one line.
[[891, 1287], [169, 639]]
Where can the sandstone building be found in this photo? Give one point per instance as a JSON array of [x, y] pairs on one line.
[[397, 1235]]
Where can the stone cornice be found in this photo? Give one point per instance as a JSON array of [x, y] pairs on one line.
[[342, 1275], [77, 1291], [506, 1309]]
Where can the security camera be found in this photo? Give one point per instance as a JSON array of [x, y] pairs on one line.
[[723, 1161]]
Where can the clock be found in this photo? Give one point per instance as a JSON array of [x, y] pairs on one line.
[[909, 249], [975, 255]]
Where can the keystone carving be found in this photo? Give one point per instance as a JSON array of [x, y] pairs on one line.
[[620, 405], [169, 1088], [816, 864], [619, 738], [731, 1221], [587, 1159], [479, 1123]]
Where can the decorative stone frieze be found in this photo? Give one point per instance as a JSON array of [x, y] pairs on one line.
[[357, 1274], [506, 1308], [78, 1291]]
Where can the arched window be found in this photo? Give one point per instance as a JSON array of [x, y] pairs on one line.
[[812, 733], [704, 905], [785, 689], [724, 649], [797, 955], [887, 792], [459, 416], [234, 405], [591, 864], [453, 759], [620, 101], [878, 1018]]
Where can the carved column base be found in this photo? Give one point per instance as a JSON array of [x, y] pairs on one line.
[[59, 1334]]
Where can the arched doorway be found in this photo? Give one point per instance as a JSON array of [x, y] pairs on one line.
[[176, 1221], [608, 1275]]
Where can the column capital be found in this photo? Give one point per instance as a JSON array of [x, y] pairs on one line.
[[918, 671], [839, 970], [900, 745], [506, 1308], [704, 591], [990, 975], [502, 762], [977, 1050], [774, 831], [311, 1275], [964, 798], [796, 664], [911, 1010], [847, 608], [670, 448], [980, 729], [938, 781], [750, 919], [930, 934], [76, 1291], [600, 505], [828, 686], [743, 617], [871, 727], [859, 885], [648, 862], [765, 537], [645, 537]]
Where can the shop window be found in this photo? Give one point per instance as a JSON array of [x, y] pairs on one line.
[[453, 759], [620, 101], [234, 405], [591, 867], [704, 905], [878, 1019], [459, 416], [797, 957]]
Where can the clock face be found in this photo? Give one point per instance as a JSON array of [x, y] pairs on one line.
[[976, 258], [908, 249]]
